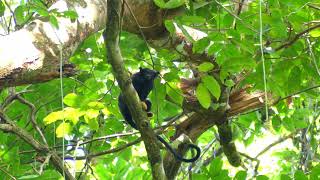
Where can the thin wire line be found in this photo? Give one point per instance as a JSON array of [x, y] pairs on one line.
[[262, 58], [62, 106]]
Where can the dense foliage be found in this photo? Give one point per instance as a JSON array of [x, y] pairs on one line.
[[82, 111]]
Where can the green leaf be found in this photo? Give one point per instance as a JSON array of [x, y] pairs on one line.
[[54, 21], [170, 26], [174, 93], [288, 124], [19, 14], [276, 123], [93, 123], [48, 174], [2, 8], [41, 11], [91, 118], [160, 3], [63, 129], [53, 117], [212, 85], [71, 100], [215, 167], [262, 177], [171, 4], [200, 45], [193, 19], [171, 76], [70, 14], [315, 173], [315, 33], [96, 105], [229, 83], [73, 114], [200, 176], [294, 80], [284, 177], [205, 67], [241, 175], [299, 175], [215, 48], [300, 124], [203, 96]]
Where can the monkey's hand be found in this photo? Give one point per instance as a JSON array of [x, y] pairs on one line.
[[144, 105]]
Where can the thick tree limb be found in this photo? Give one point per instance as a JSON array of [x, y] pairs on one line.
[[111, 36]]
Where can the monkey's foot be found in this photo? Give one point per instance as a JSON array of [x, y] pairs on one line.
[[149, 114]]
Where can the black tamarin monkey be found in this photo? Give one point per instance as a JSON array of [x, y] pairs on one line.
[[143, 83]]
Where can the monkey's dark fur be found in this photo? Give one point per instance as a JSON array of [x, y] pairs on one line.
[[143, 83]]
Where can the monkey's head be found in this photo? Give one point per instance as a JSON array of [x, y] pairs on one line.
[[148, 74]]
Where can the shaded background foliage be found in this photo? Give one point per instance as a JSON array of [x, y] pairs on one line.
[[90, 97]]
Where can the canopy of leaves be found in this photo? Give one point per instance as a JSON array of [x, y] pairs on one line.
[[81, 112]]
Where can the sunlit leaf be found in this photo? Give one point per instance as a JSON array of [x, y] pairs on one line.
[[170, 26], [169, 4], [54, 21], [203, 96], [262, 177], [63, 129], [205, 67], [241, 175], [299, 175], [200, 45], [53, 117], [72, 100], [315, 33], [215, 167], [212, 85]]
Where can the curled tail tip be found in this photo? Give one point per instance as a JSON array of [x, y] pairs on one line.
[[196, 157]]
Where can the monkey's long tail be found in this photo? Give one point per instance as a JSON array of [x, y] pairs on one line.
[[178, 156]]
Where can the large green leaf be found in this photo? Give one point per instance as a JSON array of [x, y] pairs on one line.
[[174, 93], [63, 129], [215, 167], [205, 67], [171, 4], [241, 175], [212, 85], [203, 96]]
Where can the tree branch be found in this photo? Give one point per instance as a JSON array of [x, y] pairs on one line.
[[12, 127], [111, 36], [296, 37], [280, 140]]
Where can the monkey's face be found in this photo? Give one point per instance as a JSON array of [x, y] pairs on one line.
[[149, 74]]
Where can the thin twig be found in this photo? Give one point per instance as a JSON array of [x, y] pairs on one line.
[[237, 17], [90, 156], [33, 117], [280, 140], [296, 37], [312, 55], [87, 142], [7, 173]]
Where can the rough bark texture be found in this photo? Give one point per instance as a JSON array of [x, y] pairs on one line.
[[111, 36]]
